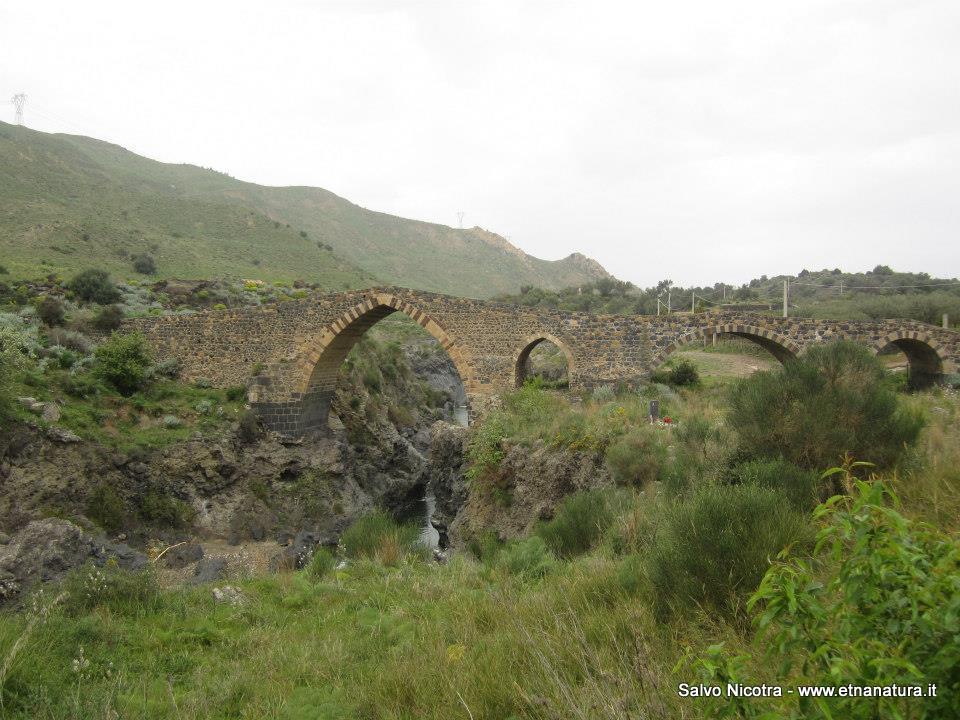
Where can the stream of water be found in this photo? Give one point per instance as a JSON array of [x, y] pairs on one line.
[[428, 533]]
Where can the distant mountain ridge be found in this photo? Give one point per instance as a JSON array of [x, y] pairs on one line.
[[70, 202]]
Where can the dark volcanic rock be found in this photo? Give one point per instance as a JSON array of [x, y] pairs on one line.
[[48, 549], [208, 570]]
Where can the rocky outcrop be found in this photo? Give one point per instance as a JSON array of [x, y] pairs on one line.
[[48, 549], [526, 487], [444, 475]]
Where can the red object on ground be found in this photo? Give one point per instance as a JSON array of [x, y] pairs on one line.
[[667, 420]]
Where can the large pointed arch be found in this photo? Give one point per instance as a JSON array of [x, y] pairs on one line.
[[781, 347], [308, 377]]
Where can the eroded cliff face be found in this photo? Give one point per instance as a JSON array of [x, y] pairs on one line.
[[528, 485]]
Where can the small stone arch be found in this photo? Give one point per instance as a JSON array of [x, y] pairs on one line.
[[522, 354], [781, 347], [294, 397], [924, 355]]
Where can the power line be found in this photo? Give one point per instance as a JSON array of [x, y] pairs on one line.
[[19, 100]]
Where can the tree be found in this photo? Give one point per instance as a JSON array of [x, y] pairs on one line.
[[144, 264], [51, 311], [123, 361], [94, 285]]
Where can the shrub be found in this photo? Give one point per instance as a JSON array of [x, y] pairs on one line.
[[832, 401], [94, 285], [248, 427], [603, 394], [123, 361], [801, 486], [144, 264], [236, 393], [171, 422], [51, 312], [169, 368], [204, 407], [716, 544], [880, 608], [529, 557], [161, 508], [636, 458], [683, 373], [321, 564], [70, 339], [108, 319], [580, 521], [105, 507], [379, 536]]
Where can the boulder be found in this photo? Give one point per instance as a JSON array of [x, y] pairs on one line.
[[208, 570], [48, 549], [182, 555]]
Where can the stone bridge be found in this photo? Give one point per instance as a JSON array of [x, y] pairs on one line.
[[288, 355]]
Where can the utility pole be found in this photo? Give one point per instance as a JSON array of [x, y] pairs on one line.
[[693, 302], [460, 218], [669, 290], [724, 287], [786, 293], [841, 288], [658, 306], [18, 101]]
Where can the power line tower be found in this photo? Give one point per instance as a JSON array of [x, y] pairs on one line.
[[460, 218], [18, 101]]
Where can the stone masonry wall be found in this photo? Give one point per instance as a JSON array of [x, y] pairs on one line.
[[288, 354]]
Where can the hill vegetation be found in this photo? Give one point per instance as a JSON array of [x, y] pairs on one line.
[[877, 294], [71, 202]]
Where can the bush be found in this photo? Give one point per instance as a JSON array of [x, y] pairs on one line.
[[70, 339], [716, 544], [144, 264], [163, 509], [581, 520], [322, 562], [636, 458], [105, 507], [236, 393], [880, 608], [801, 486], [834, 400], [248, 427], [51, 312], [378, 536], [529, 557], [108, 319], [683, 373], [94, 286], [123, 361]]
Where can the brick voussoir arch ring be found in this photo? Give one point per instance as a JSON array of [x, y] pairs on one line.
[[527, 345], [311, 352], [731, 328], [919, 336]]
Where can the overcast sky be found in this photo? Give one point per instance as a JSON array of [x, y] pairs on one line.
[[700, 141]]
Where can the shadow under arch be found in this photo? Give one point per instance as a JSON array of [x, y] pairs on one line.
[[924, 358], [782, 348], [312, 381], [522, 355]]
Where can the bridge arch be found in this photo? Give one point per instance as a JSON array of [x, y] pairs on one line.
[[780, 346], [522, 354], [925, 356], [305, 385]]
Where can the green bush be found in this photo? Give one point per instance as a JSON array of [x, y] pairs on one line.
[[717, 543], [683, 373], [801, 486], [579, 523], [236, 393], [379, 536], [636, 458], [834, 400], [879, 608], [144, 264], [108, 319], [94, 285], [163, 509], [529, 557], [123, 361], [322, 563], [106, 508], [51, 312]]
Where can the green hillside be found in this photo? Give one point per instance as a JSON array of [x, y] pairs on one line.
[[69, 202]]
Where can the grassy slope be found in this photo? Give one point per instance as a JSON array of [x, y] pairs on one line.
[[56, 188]]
